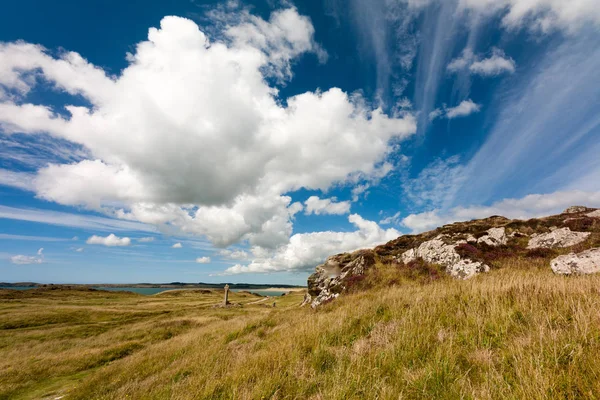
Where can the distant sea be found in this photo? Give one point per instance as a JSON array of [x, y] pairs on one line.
[[150, 291]]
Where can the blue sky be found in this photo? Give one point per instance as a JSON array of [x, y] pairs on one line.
[[247, 141]]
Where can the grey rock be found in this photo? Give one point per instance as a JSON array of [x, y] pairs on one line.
[[593, 214], [562, 237], [465, 269], [575, 209], [330, 278], [586, 262], [494, 237], [437, 251]]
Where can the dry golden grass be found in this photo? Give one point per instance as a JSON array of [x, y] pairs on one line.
[[518, 332]]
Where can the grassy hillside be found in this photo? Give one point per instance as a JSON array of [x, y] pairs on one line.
[[517, 332]]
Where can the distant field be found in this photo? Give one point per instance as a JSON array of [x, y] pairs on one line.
[[518, 333]]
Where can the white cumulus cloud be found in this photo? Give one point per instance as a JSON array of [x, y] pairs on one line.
[[318, 206], [496, 64], [177, 246], [192, 135], [465, 108], [203, 260], [307, 250], [24, 260], [110, 240]]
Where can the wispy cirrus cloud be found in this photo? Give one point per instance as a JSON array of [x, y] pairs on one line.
[[72, 220], [530, 206], [7, 236]]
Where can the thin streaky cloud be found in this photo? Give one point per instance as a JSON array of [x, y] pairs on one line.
[[72, 220], [7, 236]]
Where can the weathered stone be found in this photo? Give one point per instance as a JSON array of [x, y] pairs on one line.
[[594, 214], [494, 237], [436, 251], [465, 269], [575, 209], [226, 299], [408, 256], [562, 237], [329, 279], [307, 299], [587, 262]]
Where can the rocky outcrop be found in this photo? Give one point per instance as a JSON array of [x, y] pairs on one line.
[[463, 249], [575, 209], [586, 262], [494, 237], [593, 214], [438, 251], [434, 251], [562, 237], [332, 277]]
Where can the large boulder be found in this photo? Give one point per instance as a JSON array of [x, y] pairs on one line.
[[587, 262], [438, 251], [562, 237], [494, 237], [434, 251], [465, 269]]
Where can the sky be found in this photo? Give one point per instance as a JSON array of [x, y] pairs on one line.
[[246, 141]]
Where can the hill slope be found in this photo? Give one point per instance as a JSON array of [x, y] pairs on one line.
[[465, 249], [401, 330]]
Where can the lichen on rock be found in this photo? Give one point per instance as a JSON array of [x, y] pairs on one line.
[[586, 262], [562, 237], [494, 237]]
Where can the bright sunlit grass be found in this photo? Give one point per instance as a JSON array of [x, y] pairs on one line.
[[518, 332]]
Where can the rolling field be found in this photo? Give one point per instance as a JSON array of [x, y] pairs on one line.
[[515, 333]]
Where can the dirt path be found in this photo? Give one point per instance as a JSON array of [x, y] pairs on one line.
[[259, 301]]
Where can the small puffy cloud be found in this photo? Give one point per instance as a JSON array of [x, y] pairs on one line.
[[438, 112], [146, 239], [465, 108], [534, 205], [307, 250], [177, 246], [203, 260], [110, 240], [496, 64], [79, 249], [318, 206], [22, 260], [462, 62]]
